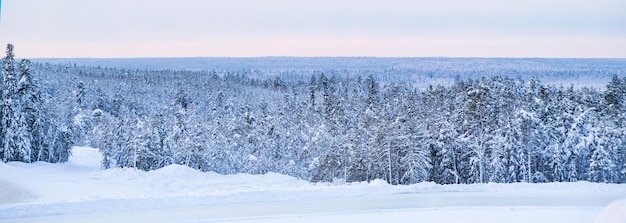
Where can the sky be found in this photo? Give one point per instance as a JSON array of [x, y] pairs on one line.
[[251, 28]]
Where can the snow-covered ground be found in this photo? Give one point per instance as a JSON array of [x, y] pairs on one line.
[[79, 191]]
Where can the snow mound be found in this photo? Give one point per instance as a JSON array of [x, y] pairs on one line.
[[378, 182], [11, 193], [175, 170], [85, 157], [613, 213], [118, 175]]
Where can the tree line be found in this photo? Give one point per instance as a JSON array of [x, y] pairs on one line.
[[350, 128], [492, 129]]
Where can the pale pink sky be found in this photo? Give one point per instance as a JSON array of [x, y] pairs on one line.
[[242, 28]]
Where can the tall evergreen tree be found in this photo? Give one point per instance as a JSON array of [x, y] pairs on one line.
[[13, 131], [32, 110]]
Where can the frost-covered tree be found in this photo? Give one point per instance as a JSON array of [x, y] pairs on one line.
[[80, 94], [602, 164], [476, 129], [32, 111], [62, 144], [156, 154], [8, 74], [105, 128], [478, 125], [16, 135]]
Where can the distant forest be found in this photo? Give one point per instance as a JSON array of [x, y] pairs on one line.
[[347, 125]]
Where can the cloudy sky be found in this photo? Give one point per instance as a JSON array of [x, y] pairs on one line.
[[243, 28]]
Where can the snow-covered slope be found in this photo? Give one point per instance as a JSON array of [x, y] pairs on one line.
[[79, 190]]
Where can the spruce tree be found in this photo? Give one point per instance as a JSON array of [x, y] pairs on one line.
[[32, 109], [9, 108], [80, 95], [8, 69]]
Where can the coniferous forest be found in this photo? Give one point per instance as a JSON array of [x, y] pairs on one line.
[[29, 130], [320, 125]]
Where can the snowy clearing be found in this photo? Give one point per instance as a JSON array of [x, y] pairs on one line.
[[79, 191]]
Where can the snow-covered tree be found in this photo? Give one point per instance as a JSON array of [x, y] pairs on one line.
[[602, 164], [16, 133], [327, 124]]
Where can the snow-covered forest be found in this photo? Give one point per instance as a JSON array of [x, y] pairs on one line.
[[328, 124], [29, 130]]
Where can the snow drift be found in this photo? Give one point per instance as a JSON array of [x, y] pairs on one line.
[[79, 190]]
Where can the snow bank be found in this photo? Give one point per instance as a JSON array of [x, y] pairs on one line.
[[80, 186], [614, 213], [175, 170], [11, 193]]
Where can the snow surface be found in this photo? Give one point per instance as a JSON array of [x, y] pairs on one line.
[[79, 191]]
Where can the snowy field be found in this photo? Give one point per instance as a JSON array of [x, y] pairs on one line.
[[79, 191]]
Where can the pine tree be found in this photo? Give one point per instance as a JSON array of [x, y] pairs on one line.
[[80, 95], [32, 110], [180, 140], [8, 73], [313, 86], [476, 131], [62, 147], [602, 163], [104, 129], [156, 155], [16, 143], [102, 101]]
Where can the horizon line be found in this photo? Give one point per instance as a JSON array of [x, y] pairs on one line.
[[317, 57]]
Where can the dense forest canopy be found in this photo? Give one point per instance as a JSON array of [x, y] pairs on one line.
[[29, 130], [352, 123], [419, 72]]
